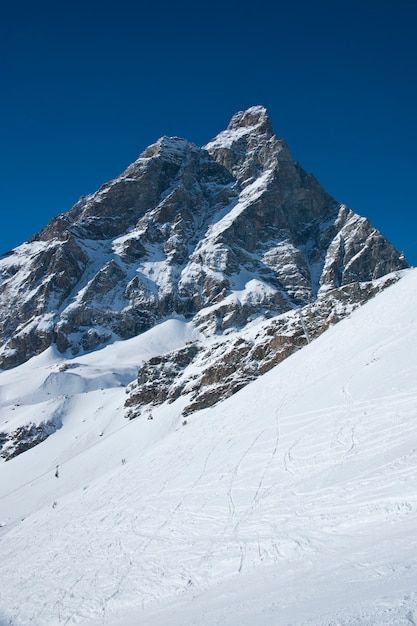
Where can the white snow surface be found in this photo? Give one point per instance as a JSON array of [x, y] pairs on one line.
[[292, 503]]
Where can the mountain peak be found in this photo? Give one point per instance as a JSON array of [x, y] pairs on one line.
[[254, 118], [248, 146]]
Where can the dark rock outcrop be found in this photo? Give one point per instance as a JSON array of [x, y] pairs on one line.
[[220, 369], [25, 437]]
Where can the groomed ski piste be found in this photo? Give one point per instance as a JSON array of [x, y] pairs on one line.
[[293, 502]]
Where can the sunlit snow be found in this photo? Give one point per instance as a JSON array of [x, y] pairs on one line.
[[294, 502]]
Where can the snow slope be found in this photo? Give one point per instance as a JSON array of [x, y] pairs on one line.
[[294, 502]]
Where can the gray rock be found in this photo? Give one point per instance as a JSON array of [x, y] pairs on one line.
[[220, 370], [26, 437]]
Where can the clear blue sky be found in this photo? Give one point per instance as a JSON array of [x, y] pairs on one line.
[[87, 86]]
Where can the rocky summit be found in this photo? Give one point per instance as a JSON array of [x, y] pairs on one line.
[[231, 236]]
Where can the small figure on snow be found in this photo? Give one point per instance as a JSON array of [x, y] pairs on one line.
[[57, 472]]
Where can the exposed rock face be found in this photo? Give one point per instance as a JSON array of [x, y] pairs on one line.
[[25, 437], [223, 234], [206, 375], [157, 376]]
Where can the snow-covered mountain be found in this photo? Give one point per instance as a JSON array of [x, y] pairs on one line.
[[228, 236], [293, 502], [187, 435], [231, 231]]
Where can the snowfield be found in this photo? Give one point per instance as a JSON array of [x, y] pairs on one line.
[[292, 503]]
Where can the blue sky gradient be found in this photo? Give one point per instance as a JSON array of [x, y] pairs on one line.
[[88, 86]]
